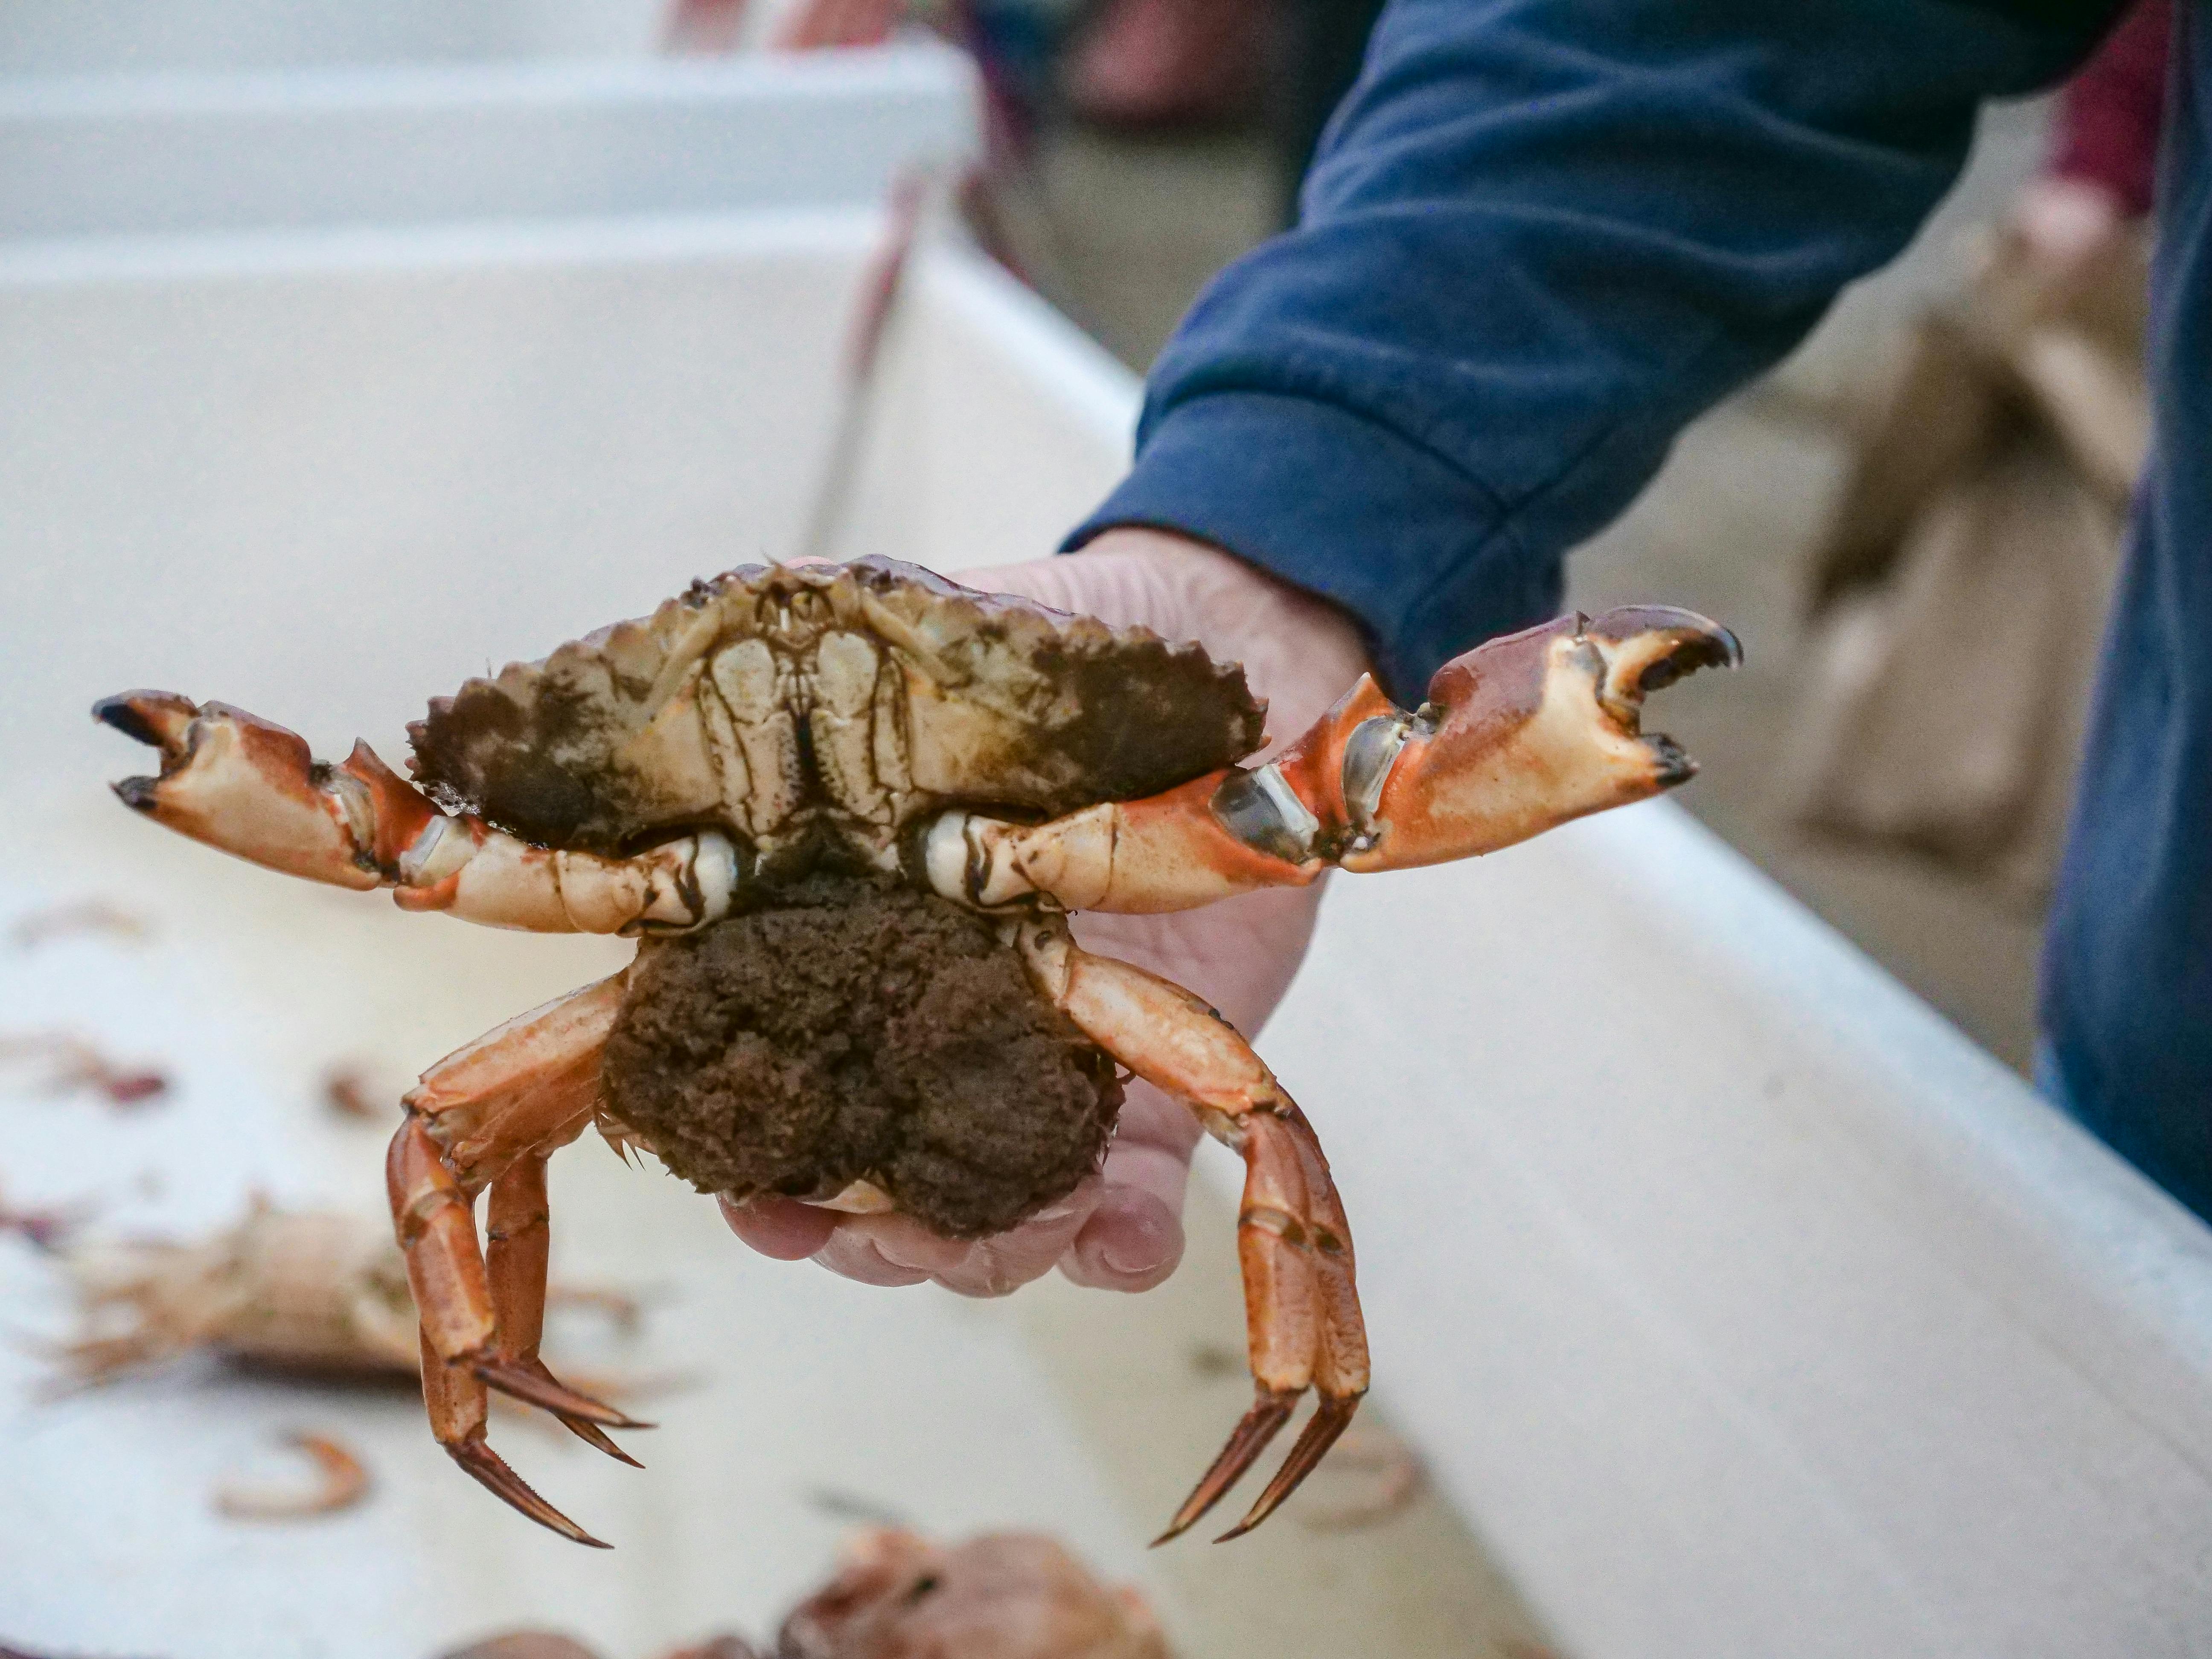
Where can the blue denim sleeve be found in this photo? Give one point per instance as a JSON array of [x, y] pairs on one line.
[[1540, 237]]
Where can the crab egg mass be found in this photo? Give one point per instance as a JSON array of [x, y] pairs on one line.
[[856, 1028]]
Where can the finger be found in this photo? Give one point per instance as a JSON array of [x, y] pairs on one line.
[[1134, 1239], [1112, 590], [1004, 1262], [896, 1249], [1133, 1242], [782, 1228], [852, 1253]]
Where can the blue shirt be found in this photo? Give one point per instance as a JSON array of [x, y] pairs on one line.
[[1541, 236]]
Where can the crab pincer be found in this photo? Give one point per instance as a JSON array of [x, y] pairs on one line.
[[845, 810]]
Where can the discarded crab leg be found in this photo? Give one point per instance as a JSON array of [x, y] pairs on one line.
[[1303, 1328], [341, 1482], [1517, 736], [253, 788]]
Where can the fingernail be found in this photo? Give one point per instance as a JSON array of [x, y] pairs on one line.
[[1126, 1266]]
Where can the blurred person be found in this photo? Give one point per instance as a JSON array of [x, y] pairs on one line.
[[1162, 65], [1170, 63], [1959, 590], [2101, 172], [1540, 238]]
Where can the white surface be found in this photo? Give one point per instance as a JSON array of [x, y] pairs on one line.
[[64, 36], [1745, 1307], [183, 152]]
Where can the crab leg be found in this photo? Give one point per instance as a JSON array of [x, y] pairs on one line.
[[518, 1233], [1517, 736], [476, 1118], [1303, 1328], [239, 783]]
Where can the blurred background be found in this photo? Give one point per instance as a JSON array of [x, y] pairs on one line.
[[451, 318]]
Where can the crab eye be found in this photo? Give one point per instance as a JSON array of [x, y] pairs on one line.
[[808, 607]]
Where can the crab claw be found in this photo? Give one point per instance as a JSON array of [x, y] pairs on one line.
[[245, 785], [250, 788], [1517, 736]]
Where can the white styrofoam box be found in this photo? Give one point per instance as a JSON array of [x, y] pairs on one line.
[[122, 154], [1743, 1305], [60, 37]]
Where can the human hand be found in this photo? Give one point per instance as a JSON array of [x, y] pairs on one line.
[[1122, 1228], [2064, 225]]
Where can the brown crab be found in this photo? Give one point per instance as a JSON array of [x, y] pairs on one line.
[[897, 1595], [885, 787], [304, 1290], [1003, 1595]]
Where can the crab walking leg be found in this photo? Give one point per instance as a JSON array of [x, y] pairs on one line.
[[1303, 1328], [474, 1117], [518, 1241], [250, 788], [1517, 736]]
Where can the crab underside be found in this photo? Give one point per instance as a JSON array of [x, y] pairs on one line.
[[859, 1031], [846, 809]]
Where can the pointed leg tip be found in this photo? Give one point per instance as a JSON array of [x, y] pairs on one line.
[[1260, 1424], [592, 1435], [1268, 1503], [1320, 1434], [491, 1471], [621, 1456], [1181, 1524], [539, 1387]]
